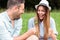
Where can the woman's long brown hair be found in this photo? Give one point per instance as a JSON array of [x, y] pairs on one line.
[[46, 22]]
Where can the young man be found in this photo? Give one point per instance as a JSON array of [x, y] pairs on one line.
[[11, 21], [44, 24]]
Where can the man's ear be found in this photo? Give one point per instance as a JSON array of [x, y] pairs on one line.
[[15, 8]]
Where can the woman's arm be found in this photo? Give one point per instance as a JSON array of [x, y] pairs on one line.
[[51, 34], [53, 30]]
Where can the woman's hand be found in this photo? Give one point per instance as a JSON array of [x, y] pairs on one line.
[[51, 34]]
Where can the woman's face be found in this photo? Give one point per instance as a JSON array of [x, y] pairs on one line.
[[41, 12]]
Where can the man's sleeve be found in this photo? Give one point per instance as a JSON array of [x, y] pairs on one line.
[[4, 34]]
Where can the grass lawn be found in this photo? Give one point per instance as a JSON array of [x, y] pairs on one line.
[[27, 15]]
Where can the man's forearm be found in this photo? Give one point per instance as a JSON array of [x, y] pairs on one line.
[[25, 35]]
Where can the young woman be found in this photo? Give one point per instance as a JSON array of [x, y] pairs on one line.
[[43, 23]]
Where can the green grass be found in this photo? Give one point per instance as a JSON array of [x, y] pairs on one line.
[[27, 15], [56, 16]]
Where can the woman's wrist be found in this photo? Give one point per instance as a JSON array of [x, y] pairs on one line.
[[53, 36]]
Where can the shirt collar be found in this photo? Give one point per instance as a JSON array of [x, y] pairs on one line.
[[6, 15]]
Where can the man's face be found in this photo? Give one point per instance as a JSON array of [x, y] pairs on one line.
[[18, 11], [41, 12]]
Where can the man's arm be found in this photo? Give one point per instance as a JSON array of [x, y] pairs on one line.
[[25, 35]]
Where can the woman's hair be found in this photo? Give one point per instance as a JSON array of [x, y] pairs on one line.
[[46, 21]]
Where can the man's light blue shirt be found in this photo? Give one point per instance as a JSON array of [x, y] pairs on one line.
[[7, 32]]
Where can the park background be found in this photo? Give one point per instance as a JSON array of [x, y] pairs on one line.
[[30, 12]]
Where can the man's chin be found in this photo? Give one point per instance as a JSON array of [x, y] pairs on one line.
[[17, 18]]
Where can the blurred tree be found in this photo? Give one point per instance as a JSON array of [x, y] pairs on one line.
[[55, 4], [30, 4], [3, 3]]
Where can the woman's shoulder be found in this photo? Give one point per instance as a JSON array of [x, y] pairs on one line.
[[52, 19], [31, 19]]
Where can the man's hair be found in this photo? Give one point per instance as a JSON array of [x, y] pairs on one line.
[[11, 3]]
